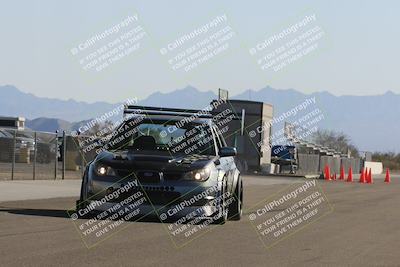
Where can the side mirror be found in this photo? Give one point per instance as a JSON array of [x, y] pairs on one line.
[[227, 151]]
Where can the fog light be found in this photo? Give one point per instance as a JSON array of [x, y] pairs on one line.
[[110, 190]]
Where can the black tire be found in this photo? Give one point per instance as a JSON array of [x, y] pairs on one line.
[[222, 213], [236, 207], [80, 204]]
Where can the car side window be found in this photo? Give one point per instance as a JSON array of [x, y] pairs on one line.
[[222, 140], [218, 138]]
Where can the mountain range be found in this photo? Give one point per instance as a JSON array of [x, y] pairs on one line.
[[372, 122]]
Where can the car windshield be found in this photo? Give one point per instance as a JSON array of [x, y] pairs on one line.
[[5, 134], [163, 135]]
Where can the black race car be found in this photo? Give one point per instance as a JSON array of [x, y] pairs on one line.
[[176, 159]]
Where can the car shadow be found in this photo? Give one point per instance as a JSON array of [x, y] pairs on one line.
[[37, 212], [58, 213]]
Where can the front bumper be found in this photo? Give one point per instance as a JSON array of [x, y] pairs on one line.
[[165, 213], [168, 199]]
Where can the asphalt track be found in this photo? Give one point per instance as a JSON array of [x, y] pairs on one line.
[[362, 229]]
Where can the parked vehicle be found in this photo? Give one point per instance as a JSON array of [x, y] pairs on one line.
[[6, 146], [24, 141]]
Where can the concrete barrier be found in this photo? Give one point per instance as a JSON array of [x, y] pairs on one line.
[[269, 168], [354, 163], [332, 162], [308, 163]]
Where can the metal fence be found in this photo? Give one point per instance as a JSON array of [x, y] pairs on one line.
[[26, 154], [42, 155]]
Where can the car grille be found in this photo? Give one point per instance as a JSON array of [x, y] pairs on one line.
[[123, 173], [158, 195], [149, 177], [144, 177], [172, 176]]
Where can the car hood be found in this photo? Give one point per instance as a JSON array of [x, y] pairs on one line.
[[153, 160]]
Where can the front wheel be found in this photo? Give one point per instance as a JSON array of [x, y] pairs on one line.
[[236, 207], [222, 213]]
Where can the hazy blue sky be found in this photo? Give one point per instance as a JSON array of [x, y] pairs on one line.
[[359, 53]]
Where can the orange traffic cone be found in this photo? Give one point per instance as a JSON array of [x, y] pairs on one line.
[[341, 173], [327, 173], [387, 177], [369, 177], [350, 175], [362, 177]]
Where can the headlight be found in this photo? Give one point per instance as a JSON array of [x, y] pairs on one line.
[[103, 170], [198, 175]]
